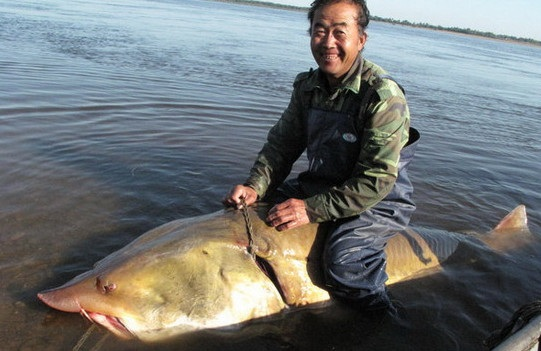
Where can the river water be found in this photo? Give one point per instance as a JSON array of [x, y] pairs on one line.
[[118, 116]]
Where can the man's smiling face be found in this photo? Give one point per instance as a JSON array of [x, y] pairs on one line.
[[336, 39]]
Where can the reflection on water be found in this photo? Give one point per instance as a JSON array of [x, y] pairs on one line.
[[116, 118]]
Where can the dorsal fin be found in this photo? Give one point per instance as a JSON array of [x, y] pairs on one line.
[[515, 220]]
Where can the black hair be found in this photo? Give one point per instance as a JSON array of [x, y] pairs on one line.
[[362, 18]]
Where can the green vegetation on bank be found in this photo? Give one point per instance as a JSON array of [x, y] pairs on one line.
[[466, 31], [266, 4]]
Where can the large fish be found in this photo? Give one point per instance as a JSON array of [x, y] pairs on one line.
[[212, 272]]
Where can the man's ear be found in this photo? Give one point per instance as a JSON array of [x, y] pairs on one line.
[[362, 40]]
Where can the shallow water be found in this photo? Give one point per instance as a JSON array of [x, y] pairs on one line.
[[118, 117]]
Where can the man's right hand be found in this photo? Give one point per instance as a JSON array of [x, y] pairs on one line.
[[239, 192]]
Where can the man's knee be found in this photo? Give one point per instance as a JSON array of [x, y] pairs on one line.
[[355, 259], [355, 274]]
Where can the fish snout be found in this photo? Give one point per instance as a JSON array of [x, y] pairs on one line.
[[60, 299]]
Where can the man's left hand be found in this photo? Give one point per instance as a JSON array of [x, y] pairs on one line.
[[288, 214]]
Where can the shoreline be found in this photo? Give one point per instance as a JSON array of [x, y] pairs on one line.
[[458, 31], [509, 41], [463, 31]]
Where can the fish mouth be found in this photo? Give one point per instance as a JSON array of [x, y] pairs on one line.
[[111, 323]]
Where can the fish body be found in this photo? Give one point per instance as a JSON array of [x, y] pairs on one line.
[[212, 272]]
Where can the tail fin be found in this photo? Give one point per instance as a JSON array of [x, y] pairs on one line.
[[511, 233], [515, 220]]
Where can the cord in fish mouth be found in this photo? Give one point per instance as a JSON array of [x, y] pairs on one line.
[[249, 228]]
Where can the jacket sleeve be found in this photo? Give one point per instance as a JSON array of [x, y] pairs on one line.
[[285, 143], [385, 133]]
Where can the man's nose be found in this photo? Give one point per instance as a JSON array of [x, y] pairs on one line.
[[329, 40]]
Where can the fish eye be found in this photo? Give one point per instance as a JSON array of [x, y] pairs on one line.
[[105, 288]]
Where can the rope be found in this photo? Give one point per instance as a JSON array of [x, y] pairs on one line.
[[249, 228], [83, 338], [100, 343]]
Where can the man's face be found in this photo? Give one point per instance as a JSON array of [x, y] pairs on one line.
[[335, 39]]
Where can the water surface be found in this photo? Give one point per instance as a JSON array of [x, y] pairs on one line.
[[116, 117]]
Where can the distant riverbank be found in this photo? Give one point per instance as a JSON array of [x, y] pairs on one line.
[[464, 31]]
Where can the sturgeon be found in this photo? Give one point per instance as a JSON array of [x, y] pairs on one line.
[[210, 272]]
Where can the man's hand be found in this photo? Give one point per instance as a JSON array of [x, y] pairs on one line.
[[288, 214], [239, 192]]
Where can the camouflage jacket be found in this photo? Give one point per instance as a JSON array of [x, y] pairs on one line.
[[382, 125]]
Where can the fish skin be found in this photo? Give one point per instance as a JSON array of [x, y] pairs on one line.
[[197, 273]]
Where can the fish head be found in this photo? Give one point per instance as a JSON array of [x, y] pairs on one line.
[[155, 289]]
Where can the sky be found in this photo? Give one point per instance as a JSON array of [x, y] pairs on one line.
[[518, 18]]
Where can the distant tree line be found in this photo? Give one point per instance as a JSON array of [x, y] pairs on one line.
[[467, 31], [266, 4], [458, 30]]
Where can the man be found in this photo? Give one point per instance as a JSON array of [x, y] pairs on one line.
[[353, 121]]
